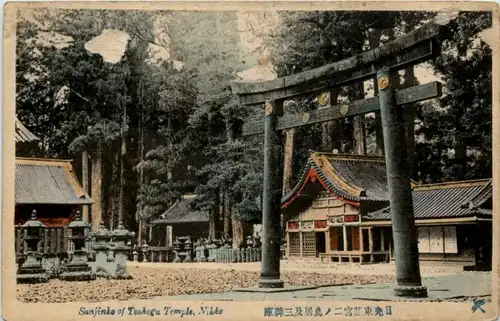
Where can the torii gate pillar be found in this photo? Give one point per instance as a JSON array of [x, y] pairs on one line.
[[271, 219], [409, 281]]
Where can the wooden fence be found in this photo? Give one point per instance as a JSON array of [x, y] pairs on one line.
[[152, 254], [229, 255]]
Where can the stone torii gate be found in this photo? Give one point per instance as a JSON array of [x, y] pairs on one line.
[[411, 49]]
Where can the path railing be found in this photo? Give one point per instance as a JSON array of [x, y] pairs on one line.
[[245, 255], [202, 250], [157, 254]]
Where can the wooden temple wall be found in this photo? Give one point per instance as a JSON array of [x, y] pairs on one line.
[[304, 230], [354, 242]]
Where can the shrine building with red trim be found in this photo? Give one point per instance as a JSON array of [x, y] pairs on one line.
[[339, 211]]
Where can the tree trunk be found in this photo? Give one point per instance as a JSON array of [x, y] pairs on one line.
[[331, 131], [121, 200], [374, 41], [222, 218], [238, 234], [139, 216], [227, 220], [359, 122], [409, 114], [288, 161], [228, 205], [139, 230], [379, 134], [96, 178], [460, 147], [214, 218], [114, 190], [123, 159], [359, 135], [85, 184]]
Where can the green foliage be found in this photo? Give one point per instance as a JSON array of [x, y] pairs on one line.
[[306, 40], [209, 46], [463, 115], [154, 95], [92, 91], [187, 119]]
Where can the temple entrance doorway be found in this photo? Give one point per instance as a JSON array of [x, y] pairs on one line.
[[320, 243]]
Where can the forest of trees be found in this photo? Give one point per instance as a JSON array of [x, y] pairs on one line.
[[150, 130]]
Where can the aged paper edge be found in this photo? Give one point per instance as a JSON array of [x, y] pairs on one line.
[[249, 310]]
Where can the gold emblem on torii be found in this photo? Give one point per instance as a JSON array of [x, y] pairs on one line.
[[269, 108], [383, 82], [344, 109], [324, 99]]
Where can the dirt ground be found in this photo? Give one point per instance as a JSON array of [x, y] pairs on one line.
[[165, 280], [427, 269], [159, 279]]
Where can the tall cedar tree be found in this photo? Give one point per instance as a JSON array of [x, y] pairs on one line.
[[455, 131], [98, 93], [229, 168]]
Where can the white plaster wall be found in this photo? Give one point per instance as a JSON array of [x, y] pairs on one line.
[[433, 240]]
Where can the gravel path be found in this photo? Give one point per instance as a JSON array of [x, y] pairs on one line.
[[149, 282], [426, 269]]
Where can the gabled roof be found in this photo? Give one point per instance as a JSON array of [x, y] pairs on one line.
[[446, 200], [181, 212], [23, 135], [354, 178], [47, 181]]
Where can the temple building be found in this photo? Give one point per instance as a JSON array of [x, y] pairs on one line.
[[339, 211], [453, 219], [178, 221], [48, 186]]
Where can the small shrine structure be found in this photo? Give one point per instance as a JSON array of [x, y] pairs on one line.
[[178, 221]]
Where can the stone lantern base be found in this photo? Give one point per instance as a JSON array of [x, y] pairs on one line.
[[78, 271], [31, 273]]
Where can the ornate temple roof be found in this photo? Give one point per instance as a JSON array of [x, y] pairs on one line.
[[353, 178], [181, 212], [47, 181], [446, 200]]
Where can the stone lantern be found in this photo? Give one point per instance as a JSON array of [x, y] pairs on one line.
[[177, 249], [249, 241], [212, 247], [188, 247], [203, 257], [101, 247], [120, 238], [78, 269], [145, 251], [256, 241], [197, 249], [31, 271]]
